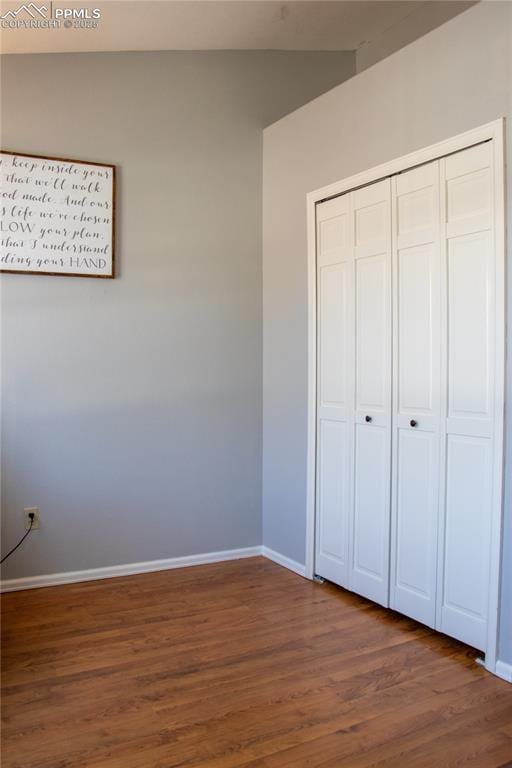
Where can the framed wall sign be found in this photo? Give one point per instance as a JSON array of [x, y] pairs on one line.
[[57, 216]]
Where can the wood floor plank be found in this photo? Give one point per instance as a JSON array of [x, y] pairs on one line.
[[238, 664]]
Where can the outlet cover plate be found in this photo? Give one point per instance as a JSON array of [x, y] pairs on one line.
[[36, 524]]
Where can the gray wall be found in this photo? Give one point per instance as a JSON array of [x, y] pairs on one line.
[[424, 17], [455, 78], [132, 407]]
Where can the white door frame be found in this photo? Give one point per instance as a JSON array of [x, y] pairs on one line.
[[491, 131]]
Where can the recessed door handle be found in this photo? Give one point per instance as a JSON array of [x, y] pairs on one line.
[[367, 419], [413, 423]]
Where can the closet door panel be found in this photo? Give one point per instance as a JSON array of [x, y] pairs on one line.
[[467, 538], [371, 521], [416, 199], [372, 414], [333, 294], [467, 188], [335, 388], [372, 333], [417, 392], [416, 524], [464, 550], [332, 501], [470, 351], [371, 206], [418, 331]]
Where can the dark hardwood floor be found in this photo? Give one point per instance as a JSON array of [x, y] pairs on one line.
[[238, 664]]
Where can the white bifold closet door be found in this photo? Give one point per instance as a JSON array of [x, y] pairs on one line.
[[444, 410], [406, 410], [354, 390]]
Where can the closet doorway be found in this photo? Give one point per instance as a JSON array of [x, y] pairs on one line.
[[406, 385]]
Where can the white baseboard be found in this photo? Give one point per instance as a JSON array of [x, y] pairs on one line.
[[504, 671], [91, 574], [109, 572], [280, 559]]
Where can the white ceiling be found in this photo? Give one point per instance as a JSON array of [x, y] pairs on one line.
[[211, 24]]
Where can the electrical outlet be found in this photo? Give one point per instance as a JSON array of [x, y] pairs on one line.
[[28, 511]]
